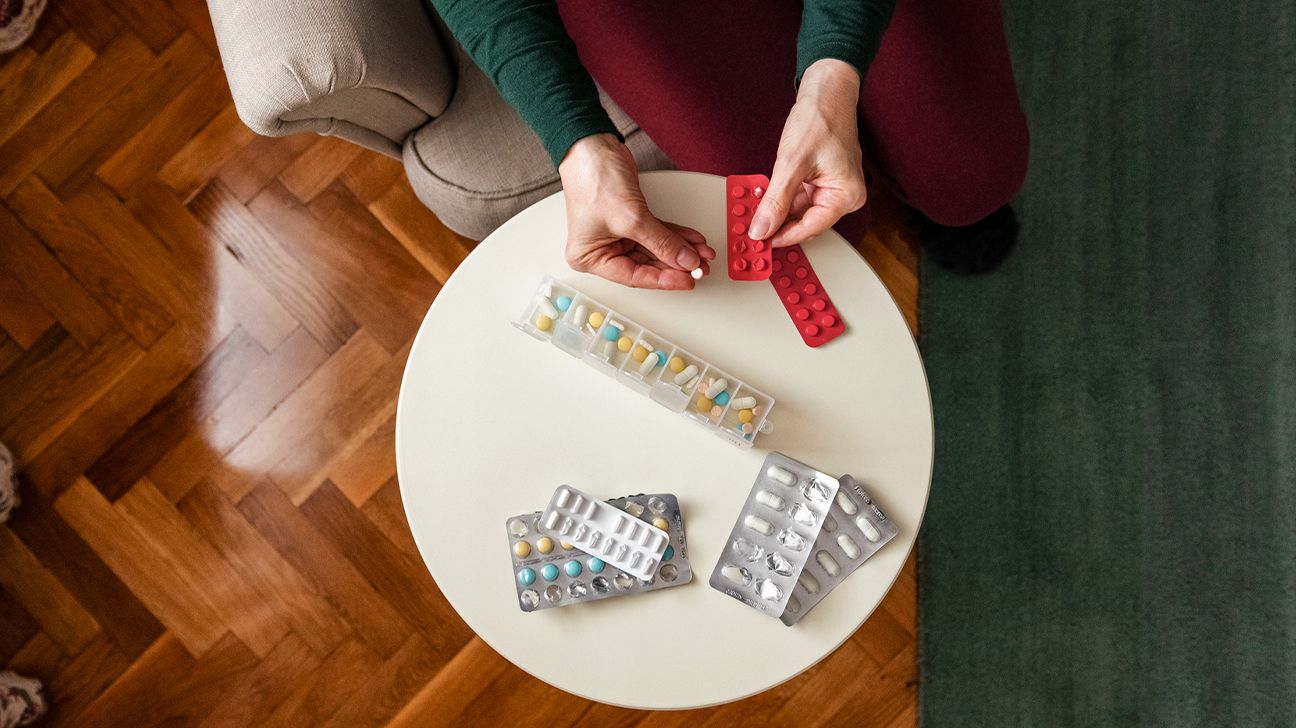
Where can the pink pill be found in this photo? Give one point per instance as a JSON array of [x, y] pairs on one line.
[[828, 320], [802, 314], [747, 428], [784, 281], [738, 191], [810, 289], [811, 330], [802, 273], [739, 228], [738, 210], [716, 411], [818, 304], [793, 297]]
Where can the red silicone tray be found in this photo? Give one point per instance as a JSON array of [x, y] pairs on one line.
[[749, 260], [804, 297]]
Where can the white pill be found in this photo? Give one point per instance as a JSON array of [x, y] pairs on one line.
[[870, 531], [827, 563], [564, 497], [649, 363], [808, 582], [781, 475], [696, 273], [692, 382], [547, 308], [848, 546], [846, 504], [758, 524], [580, 316], [609, 349], [718, 386], [743, 403], [552, 521], [770, 499], [689, 372]]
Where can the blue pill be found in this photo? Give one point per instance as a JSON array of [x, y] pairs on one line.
[[549, 572], [722, 399], [526, 576], [563, 302], [596, 566], [611, 333], [667, 555], [661, 358], [573, 568]]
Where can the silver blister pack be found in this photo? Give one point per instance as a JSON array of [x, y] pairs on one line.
[[591, 578], [774, 534], [854, 530]]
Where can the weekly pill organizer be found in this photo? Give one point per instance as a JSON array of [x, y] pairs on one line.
[[679, 380], [549, 571]]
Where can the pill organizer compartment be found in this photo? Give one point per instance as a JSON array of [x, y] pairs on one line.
[[573, 330], [745, 414], [561, 575], [854, 530], [711, 397]]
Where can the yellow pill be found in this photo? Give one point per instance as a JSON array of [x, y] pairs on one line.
[[675, 364], [522, 549], [544, 545], [544, 323], [744, 416], [624, 343], [566, 545], [704, 405], [639, 354], [660, 522], [596, 319]]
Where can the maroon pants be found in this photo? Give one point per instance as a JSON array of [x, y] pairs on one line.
[[711, 84]]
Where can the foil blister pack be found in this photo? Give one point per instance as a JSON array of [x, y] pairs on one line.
[[671, 376], [854, 529], [773, 537], [551, 572], [599, 529]]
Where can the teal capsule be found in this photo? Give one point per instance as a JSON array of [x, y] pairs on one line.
[[722, 399], [667, 555], [562, 303], [573, 568], [661, 358], [549, 572], [526, 576], [611, 333], [596, 565]]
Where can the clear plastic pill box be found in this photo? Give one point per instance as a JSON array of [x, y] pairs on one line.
[[646, 362]]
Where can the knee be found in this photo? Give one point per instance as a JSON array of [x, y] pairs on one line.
[[970, 183]]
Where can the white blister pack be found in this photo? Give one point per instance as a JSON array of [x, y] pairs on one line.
[[774, 534], [603, 530], [854, 529], [671, 376]]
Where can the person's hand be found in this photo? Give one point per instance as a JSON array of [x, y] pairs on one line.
[[610, 231], [819, 174]]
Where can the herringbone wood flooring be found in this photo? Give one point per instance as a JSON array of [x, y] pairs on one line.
[[201, 338]]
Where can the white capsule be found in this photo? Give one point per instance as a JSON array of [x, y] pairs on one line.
[[780, 474], [609, 349], [808, 582], [552, 521], [770, 499], [693, 382], [846, 504], [689, 372], [759, 525], [870, 531], [717, 386], [848, 546], [649, 364], [743, 403], [827, 563], [547, 308], [581, 315]]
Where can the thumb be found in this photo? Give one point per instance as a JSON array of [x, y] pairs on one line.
[[773, 209], [668, 245]]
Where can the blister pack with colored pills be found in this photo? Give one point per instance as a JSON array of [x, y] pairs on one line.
[[854, 529], [647, 363], [550, 572], [799, 289], [774, 534], [601, 530], [748, 260]]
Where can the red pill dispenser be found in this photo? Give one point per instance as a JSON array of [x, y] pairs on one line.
[[749, 260], [804, 297]]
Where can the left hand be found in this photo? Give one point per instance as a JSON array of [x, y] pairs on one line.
[[819, 173]]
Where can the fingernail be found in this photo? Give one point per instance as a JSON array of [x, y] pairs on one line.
[[687, 258], [760, 227]]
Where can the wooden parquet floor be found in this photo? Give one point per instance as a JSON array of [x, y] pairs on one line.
[[202, 333]]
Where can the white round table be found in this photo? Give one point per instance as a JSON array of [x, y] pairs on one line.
[[490, 421]]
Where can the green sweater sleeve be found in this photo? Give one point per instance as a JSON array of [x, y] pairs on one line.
[[523, 48], [848, 30]]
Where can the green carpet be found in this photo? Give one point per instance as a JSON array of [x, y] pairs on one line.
[[1111, 537]]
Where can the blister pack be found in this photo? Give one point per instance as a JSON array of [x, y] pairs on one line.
[[806, 301], [549, 572], [647, 363], [748, 260], [854, 530], [772, 538], [601, 530]]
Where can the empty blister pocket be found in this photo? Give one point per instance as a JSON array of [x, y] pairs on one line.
[[646, 362]]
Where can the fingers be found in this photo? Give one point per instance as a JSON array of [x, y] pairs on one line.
[[667, 243], [627, 271], [694, 238], [812, 223], [776, 204]]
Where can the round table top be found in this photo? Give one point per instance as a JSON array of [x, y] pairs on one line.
[[491, 420]]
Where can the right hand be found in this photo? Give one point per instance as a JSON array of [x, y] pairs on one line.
[[610, 230]]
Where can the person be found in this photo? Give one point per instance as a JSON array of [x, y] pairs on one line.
[[18, 22], [921, 89]]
